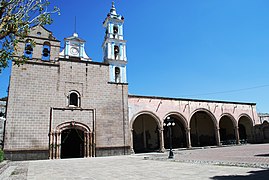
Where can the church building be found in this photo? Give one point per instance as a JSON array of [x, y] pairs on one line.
[[62, 104]]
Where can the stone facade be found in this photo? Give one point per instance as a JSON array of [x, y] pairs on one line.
[[39, 108]]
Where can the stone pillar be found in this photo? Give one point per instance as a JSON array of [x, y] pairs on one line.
[[90, 145], [188, 137], [85, 144], [51, 145], [132, 142], [236, 132], [161, 140], [218, 137], [58, 144]]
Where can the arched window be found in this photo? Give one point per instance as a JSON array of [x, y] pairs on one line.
[[28, 50], [74, 99], [115, 29], [46, 51], [116, 51], [117, 74]]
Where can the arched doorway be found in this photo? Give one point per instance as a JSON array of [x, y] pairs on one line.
[[71, 140], [227, 130], [145, 134], [72, 143], [202, 130], [245, 129], [178, 134]]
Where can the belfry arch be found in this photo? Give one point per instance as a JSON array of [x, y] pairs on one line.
[[203, 129], [146, 133], [71, 140], [245, 128], [179, 133]]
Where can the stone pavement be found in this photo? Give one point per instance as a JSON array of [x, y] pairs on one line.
[[207, 163]]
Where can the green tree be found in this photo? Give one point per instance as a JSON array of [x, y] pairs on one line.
[[16, 19]]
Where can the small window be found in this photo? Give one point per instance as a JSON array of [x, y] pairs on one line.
[[28, 50], [117, 74], [38, 33], [74, 99], [46, 51]]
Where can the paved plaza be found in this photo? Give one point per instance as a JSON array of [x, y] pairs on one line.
[[234, 162]]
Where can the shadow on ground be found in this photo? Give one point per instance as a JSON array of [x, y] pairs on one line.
[[262, 155], [253, 175]]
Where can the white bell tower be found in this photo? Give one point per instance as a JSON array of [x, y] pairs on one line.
[[114, 46]]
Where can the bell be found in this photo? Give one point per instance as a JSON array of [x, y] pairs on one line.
[[46, 52], [28, 49], [115, 30], [116, 49]]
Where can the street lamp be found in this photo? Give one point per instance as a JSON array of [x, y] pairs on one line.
[[169, 122]]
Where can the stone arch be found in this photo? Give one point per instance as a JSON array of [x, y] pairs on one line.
[[203, 128], [245, 127], [148, 113], [77, 135], [206, 111], [145, 135], [228, 129], [179, 131]]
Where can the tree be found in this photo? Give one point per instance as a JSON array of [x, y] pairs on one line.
[[16, 19]]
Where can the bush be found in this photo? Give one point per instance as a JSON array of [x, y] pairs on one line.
[[1, 155]]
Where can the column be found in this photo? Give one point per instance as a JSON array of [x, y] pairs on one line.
[[161, 140], [218, 137], [188, 137], [131, 142], [58, 144], [236, 130], [90, 145], [85, 144], [51, 145]]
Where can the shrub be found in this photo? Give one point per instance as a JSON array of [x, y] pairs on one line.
[[1, 155]]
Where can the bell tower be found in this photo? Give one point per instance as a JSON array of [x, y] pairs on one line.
[[114, 46]]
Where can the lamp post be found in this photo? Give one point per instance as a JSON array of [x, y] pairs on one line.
[[169, 122]]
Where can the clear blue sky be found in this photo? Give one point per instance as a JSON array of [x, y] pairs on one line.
[[201, 49]]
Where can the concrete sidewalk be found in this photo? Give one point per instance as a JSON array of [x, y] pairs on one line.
[[188, 164]]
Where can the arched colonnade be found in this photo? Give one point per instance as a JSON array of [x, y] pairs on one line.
[[202, 128]]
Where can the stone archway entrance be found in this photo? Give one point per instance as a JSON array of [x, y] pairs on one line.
[[203, 130], [145, 134], [72, 143], [71, 140], [178, 134]]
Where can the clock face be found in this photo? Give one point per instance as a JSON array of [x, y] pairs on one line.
[[74, 51]]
